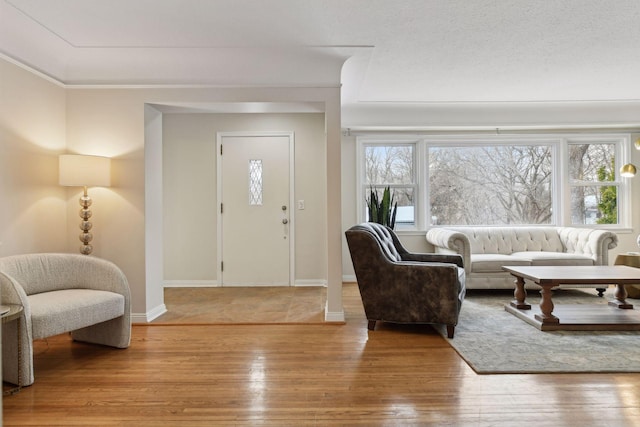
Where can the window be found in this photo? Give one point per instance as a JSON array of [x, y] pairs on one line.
[[490, 184], [592, 178], [516, 180], [393, 166], [255, 182]]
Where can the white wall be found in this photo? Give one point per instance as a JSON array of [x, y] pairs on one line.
[[32, 134], [349, 211], [190, 209], [111, 122], [153, 222]]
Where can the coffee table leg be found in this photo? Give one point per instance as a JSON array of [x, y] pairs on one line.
[[520, 295], [546, 306], [621, 298]]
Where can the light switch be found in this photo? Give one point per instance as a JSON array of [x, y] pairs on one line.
[[300, 204]]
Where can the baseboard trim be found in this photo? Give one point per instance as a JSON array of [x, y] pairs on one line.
[[349, 278], [190, 284], [150, 315], [333, 316], [215, 284], [310, 282]]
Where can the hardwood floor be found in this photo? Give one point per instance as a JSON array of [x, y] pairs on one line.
[[302, 375]]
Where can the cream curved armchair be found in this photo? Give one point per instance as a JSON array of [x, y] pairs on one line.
[[81, 294]]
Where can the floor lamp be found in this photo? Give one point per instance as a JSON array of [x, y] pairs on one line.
[[85, 171]]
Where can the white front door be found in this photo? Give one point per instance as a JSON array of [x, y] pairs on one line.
[[254, 173]]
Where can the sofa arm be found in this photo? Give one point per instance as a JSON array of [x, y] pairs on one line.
[[107, 276], [20, 350], [434, 288], [100, 274], [445, 258], [12, 293], [589, 242], [451, 242]]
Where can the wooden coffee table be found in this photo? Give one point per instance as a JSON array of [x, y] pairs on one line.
[[617, 315]]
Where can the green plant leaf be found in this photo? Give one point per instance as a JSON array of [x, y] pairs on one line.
[[382, 210]]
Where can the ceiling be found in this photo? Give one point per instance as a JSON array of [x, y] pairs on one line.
[[383, 52]]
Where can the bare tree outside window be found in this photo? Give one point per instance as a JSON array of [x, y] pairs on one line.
[[490, 185]]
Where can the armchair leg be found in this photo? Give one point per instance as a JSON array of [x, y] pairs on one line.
[[372, 325], [450, 330]]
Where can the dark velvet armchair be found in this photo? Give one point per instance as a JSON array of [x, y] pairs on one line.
[[402, 287]]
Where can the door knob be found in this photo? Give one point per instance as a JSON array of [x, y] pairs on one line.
[[285, 221]]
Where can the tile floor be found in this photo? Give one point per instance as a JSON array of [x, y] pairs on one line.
[[251, 305]]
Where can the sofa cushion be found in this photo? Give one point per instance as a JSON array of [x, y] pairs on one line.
[[485, 263], [66, 310], [554, 258]]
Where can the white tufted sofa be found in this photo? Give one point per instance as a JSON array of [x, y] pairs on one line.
[[486, 249], [81, 294]]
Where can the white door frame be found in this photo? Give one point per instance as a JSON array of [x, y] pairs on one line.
[[292, 222]]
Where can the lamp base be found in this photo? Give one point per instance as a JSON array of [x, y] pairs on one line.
[[85, 225]]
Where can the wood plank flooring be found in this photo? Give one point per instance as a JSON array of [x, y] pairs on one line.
[[302, 375]]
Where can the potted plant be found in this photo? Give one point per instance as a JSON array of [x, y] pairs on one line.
[[382, 210]]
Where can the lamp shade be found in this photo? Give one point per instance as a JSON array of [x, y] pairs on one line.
[[628, 170], [84, 171]]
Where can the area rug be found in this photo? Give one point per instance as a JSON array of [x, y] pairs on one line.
[[493, 341]]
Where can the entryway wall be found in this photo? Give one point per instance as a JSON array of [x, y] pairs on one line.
[[189, 192]]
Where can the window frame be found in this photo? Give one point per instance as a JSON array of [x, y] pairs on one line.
[[622, 155], [561, 184], [362, 187]]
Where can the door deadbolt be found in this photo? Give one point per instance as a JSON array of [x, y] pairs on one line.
[[284, 208]]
